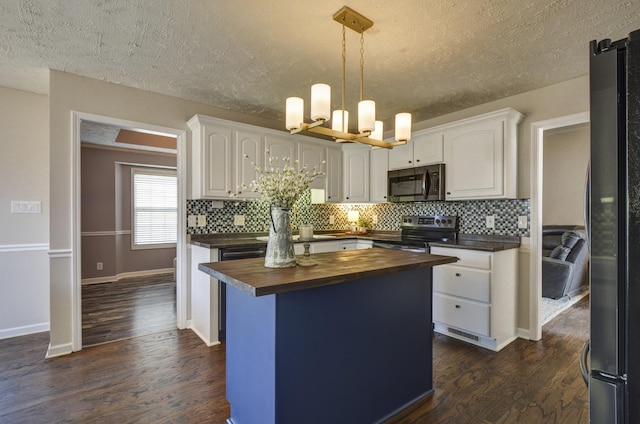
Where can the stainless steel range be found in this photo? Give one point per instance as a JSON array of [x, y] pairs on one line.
[[419, 230]]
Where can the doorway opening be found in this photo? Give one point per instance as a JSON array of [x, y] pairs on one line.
[[535, 255], [565, 253], [130, 248]]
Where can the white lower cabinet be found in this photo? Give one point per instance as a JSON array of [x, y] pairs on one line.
[[475, 298]]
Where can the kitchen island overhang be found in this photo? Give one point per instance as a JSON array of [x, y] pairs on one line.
[[348, 340]]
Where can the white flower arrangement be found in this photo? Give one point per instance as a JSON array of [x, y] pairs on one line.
[[279, 183]]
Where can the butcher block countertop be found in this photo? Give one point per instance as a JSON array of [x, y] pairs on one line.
[[251, 276]]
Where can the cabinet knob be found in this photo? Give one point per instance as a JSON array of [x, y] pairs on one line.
[[347, 197], [457, 274], [417, 160], [409, 161], [448, 192], [384, 197], [457, 306]]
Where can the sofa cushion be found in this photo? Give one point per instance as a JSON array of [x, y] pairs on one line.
[[570, 238], [560, 252]]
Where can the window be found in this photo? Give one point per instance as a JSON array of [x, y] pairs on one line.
[[155, 208]]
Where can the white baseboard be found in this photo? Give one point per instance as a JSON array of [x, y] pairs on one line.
[[23, 331], [110, 278], [204, 339], [523, 333], [59, 350]]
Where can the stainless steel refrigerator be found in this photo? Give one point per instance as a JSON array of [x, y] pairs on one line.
[[614, 231]]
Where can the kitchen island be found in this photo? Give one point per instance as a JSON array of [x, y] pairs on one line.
[[346, 341]]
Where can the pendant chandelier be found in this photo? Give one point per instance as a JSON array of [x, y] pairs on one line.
[[370, 131]]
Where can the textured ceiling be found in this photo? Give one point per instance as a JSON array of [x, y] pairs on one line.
[[424, 56]]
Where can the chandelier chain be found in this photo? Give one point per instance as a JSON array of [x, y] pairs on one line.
[[344, 76], [362, 65]]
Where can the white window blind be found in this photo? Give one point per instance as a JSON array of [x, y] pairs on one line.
[[155, 207]]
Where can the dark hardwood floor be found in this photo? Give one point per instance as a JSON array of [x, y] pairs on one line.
[[128, 307], [172, 377]]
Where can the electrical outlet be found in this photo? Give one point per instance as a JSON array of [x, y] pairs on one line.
[[99, 266], [238, 220], [374, 219], [202, 220], [192, 221], [522, 221], [491, 221], [332, 219]]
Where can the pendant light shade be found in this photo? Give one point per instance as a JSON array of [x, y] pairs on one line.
[[320, 102], [366, 115], [378, 132], [403, 127], [295, 113], [336, 122]]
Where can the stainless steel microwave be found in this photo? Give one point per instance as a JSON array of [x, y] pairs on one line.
[[421, 184]]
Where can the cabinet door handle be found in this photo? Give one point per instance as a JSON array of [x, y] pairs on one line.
[[457, 306], [457, 274]]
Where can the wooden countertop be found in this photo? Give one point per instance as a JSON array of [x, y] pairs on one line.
[[251, 276]]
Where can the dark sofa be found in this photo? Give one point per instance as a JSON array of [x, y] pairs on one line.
[[565, 260]]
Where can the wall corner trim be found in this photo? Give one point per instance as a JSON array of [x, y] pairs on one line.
[[59, 350]]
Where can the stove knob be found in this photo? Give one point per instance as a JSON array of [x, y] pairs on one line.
[[449, 221], [437, 221]]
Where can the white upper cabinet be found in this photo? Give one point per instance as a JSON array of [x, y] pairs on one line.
[[427, 147], [333, 181], [480, 155], [212, 159], [401, 156], [424, 148], [313, 155], [280, 147], [378, 165], [355, 173], [249, 149]]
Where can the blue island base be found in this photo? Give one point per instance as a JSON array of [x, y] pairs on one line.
[[354, 352]]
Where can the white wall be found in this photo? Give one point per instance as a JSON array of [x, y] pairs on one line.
[[566, 154], [24, 238]]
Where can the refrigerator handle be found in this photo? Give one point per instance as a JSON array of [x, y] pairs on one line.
[[584, 366], [587, 205]]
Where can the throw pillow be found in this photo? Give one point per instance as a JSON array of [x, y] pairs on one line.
[[570, 238], [560, 252]]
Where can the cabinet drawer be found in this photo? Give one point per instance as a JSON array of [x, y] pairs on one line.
[[464, 282], [468, 258], [464, 314]]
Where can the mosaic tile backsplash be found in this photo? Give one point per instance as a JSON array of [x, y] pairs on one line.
[[471, 215]]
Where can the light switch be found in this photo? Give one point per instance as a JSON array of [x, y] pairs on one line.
[[192, 221], [26, 206], [202, 220], [374, 219], [332, 219], [238, 220]]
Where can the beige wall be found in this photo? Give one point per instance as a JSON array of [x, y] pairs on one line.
[[106, 209], [24, 238], [565, 158]]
